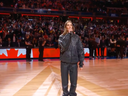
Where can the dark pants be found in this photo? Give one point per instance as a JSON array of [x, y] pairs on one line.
[[119, 52], [102, 51], [28, 52], [91, 52], [41, 49], [71, 69]]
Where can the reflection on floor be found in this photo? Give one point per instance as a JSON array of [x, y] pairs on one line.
[[99, 77]]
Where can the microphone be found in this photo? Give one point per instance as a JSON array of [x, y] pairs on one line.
[[71, 33]]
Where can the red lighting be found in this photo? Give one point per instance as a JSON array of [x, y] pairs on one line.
[[88, 18], [118, 21], [50, 15], [4, 13], [74, 17], [39, 15], [98, 18], [29, 15]]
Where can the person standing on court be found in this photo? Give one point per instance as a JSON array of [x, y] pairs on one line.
[[41, 43], [28, 47], [71, 53]]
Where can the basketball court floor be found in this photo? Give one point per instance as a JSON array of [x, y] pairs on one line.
[[99, 77]]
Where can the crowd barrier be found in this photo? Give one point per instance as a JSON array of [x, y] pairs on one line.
[[20, 53]]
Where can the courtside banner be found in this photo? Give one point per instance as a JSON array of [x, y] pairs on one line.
[[20, 53]]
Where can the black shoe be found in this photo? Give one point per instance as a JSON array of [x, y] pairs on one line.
[[28, 60], [65, 94], [41, 60]]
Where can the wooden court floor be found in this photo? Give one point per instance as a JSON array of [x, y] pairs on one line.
[[99, 77]]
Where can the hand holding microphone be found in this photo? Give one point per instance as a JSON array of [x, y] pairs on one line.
[[70, 30]]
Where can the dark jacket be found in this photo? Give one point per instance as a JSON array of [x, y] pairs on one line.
[[71, 49], [28, 41], [92, 44], [102, 43], [122, 44]]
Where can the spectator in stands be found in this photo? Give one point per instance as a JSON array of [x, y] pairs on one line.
[[97, 40], [24, 6], [1, 4], [8, 43], [14, 40], [18, 43], [86, 42], [92, 47], [34, 42], [102, 46], [113, 45], [118, 47], [122, 44], [126, 49], [56, 43], [28, 48], [41, 44], [45, 36], [1, 42], [49, 42]]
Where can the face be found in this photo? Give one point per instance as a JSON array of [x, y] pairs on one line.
[[27, 37], [112, 37], [49, 39], [9, 39], [127, 39], [69, 26]]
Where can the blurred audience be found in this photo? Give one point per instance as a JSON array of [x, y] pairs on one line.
[[94, 6], [104, 33]]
